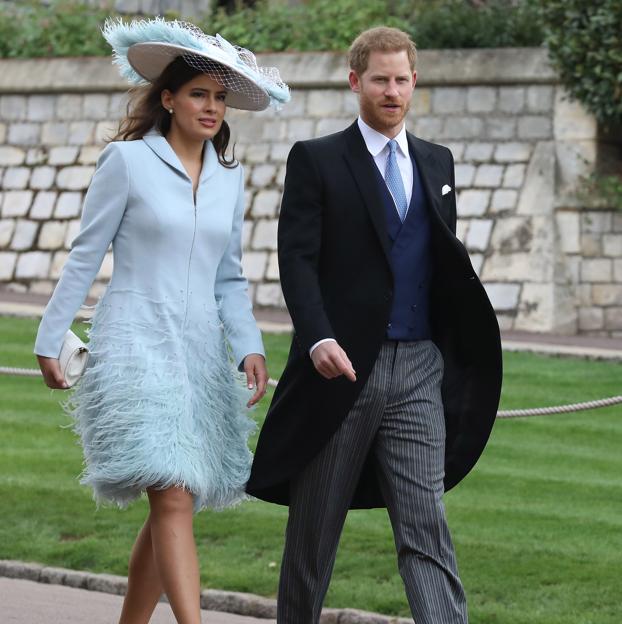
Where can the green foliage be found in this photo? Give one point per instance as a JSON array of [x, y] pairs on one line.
[[70, 28], [606, 188], [585, 44]]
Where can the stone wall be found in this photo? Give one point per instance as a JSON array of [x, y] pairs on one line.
[[549, 262]]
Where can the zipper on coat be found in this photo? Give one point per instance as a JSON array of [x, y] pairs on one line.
[[194, 235]]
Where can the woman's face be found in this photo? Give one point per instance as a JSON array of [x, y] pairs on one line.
[[198, 107]]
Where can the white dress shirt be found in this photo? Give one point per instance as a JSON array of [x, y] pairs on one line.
[[377, 145]]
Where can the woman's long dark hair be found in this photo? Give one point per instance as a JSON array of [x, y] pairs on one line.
[[145, 110]]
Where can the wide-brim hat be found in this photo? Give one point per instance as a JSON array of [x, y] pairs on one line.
[[144, 48]]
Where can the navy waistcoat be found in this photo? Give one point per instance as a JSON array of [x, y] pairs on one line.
[[411, 262]]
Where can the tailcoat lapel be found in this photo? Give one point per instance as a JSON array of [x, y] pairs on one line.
[[361, 165]]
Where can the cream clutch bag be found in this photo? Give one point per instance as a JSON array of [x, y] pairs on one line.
[[73, 358]]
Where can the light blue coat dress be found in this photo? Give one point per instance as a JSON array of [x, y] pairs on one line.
[[161, 402]]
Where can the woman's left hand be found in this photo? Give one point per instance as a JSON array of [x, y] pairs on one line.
[[256, 376]]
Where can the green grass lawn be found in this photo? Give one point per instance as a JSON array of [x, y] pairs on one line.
[[537, 525]]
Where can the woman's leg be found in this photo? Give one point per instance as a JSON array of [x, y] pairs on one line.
[[175, 551], [143, 588]]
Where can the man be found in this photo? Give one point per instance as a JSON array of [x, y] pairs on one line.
[[382, 296]]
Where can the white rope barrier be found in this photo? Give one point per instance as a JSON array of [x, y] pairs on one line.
[[517, 413]]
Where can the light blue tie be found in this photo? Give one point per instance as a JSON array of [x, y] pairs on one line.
[[393, 179]]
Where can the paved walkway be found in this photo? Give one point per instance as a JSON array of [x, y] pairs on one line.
[[28, 602]]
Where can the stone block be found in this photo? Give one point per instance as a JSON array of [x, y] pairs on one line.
[[13, 107], [534, 127], [612, 245], [266, 203], [2, 133], [537, 196], [16, 178], [479, 152], [272, 272], [254, 265], [105, 130], [73, 229], [8, 259], [512, 152], [446, 100], [297, 106], [55, 133], [591, 245], [279, 152], [488, 176], [613, 319], [74, 178], [52, 235], [325, 102], [511, 99], [41, 107], [69, 107], [504, 297], [464, 176], [58, 262], [457, 149], [571, 120], [36, 156], [264, 236], [69, 205], [20, 570], [569, 231], [74, 578], [107, 583], [64, 155], [462, 227], [591, 318], [117, 105], [106, 268], [512, 234], [330, 126], [514, 176], [24, 234], [81, 132], [33, 264], [515, 267], [43, 205], [421, 102], [24, 133], [481, 99], [97, 290], [263, 175], [274, 130], [10, 155], [607, 294], [617, 270], [473, 203], [596, 222], [503, 201], [42, 177], [428, 127], [575, 160], [95, 106], [300, 130], [16, 203], [499, 128], [477, 260], [617, 222], [280, 177], [463, 127], [7, 227], [479, 234], [269, 295], [89, 154], [257, 153], [539, 98], [53, 576], [597, 270], [546, 309]]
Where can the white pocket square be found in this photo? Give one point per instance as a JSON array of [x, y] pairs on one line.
[[446, 188]]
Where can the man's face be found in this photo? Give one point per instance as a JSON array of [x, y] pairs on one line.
[[385, 89]]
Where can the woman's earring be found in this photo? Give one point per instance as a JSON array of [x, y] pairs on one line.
[[170, 110]]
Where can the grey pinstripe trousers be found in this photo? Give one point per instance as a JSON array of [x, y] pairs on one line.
[[399, 416]]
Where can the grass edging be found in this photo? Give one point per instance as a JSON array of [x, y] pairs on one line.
[[238, 603]]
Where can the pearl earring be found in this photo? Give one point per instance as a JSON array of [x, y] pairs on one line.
[[170, 110]]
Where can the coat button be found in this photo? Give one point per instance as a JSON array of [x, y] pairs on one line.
[[388, 325]]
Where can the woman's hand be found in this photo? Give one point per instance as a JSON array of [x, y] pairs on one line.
[[51, 373], [256, 376]]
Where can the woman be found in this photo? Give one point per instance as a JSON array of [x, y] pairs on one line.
[[160, 407]]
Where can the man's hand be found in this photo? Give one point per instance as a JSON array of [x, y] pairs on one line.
[[256, 376], [331, 361], [51, 373]]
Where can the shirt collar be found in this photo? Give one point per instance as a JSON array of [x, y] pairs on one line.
[[376, 141]]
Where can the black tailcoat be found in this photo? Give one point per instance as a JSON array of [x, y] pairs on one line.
[[337, 281]]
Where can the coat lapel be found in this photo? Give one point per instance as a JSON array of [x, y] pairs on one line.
[[361, 165]]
